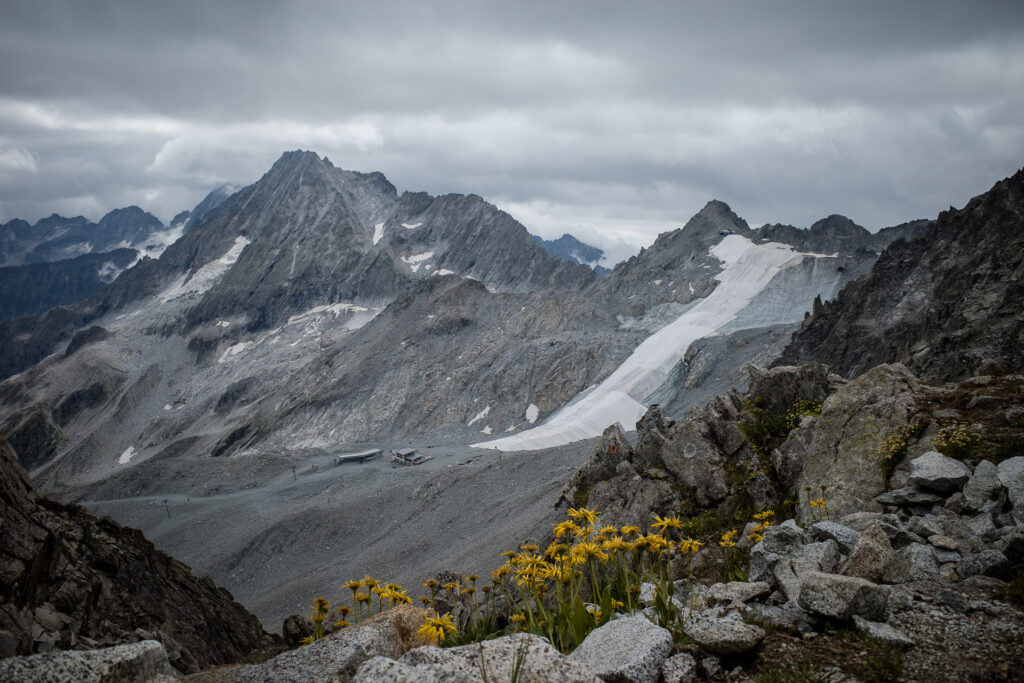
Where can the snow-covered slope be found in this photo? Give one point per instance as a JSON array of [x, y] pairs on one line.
[[749, 269]]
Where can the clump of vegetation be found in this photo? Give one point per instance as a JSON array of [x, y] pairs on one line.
[[959, 441], [893, 449], [765, 430]]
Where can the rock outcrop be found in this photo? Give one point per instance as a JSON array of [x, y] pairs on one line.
[[946, 303], [72, 581]]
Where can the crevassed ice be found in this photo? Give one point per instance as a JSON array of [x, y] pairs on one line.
[[748, 268]]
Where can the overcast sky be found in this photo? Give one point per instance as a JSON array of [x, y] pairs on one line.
[[611, 120]]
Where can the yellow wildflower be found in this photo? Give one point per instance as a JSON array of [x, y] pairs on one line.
[[435, 629], [584, 515], [728, 539], [663, 524]]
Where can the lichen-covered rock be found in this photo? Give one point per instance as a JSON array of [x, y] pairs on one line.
[[936, 472], [145, 662], [840, 448], [723, 636], [625, 649], [841, 597], [692, 457]]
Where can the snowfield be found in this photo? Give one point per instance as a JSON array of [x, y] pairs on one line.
[[748, 268]]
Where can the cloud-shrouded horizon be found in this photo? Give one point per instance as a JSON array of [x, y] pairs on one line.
[[611, 121]]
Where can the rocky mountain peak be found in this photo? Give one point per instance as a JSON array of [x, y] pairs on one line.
[[715, 218], [837, 225]]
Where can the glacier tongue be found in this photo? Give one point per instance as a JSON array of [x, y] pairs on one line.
[[621, 397]]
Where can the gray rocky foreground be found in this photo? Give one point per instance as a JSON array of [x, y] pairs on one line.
[[143, 662]]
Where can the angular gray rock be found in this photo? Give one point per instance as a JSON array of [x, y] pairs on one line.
[[987, 562], [790, 571], [841, 597], [723, 636], [625, 649], [1011, 475], [843, 535], [916, 562], [680, 668], [778, 541], [983, 486], [145, 661], [882, 633], [936, 472], [487, 661], [737, 591], [907, 496]]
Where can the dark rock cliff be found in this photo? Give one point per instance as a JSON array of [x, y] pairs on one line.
[[947, 304], [71, 581]]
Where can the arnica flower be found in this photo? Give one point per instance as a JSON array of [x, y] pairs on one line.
[[728, 539], [508, 554], [617, 604], [500, 573], [630, 531], [819, 503], [518, 619], [342, 624], [690, 546], [555, 549], [426, 601], [616, 544], [654, 543], [584, 515], [369, 582], [344, 611], [430, 583], [529, 548], [362, 597], [435, 629], [609, 530], [473, 578], [761, 516], [566, 528], [353, 585], [663, 524], [451, 586]]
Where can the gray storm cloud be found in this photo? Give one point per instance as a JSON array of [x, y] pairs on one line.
[[608, 120]]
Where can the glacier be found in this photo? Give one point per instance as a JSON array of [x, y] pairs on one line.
[[748, 268]]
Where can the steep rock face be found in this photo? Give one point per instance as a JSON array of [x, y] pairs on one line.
[[946, 304], [33, 289], [71, 581]]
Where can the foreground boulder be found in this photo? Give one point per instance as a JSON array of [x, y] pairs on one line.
[[842, 597], [144, 662], [72, 581], [626, 649], [338, 656], [530, 657]]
